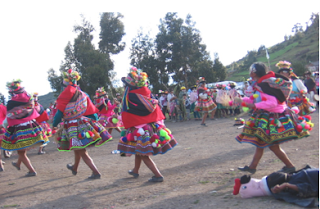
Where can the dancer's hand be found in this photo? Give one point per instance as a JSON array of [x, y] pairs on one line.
[[250, 105]]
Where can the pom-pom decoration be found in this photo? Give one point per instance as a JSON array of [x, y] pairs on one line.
[[154, 144], [295, 110], [124, 139], [115, 120], [245, 109], [236, 187], [123, 133], [255, 96], [141, 131], [299, 128]]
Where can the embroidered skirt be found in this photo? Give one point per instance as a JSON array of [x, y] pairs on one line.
[[81, 133], [305, 107], [110, 122], [24, 136], [264, 129], [152, 139], [206, 105]]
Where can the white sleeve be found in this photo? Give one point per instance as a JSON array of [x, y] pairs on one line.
[[300, 85]]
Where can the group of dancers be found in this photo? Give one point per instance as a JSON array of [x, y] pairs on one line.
[[79, 123]]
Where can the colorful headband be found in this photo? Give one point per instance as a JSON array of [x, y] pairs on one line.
[[283, 64]]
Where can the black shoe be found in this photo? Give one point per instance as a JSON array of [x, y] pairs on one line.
[[41, 153], [30, 174], [70, 167], [135, 175], [203, 124], [246, 168], [95, 176], [156, 179], [15, 165]]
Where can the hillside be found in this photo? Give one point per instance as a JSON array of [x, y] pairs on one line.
[[45, 100], [299, 49]]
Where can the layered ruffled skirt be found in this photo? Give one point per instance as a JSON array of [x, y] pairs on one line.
[[151, 139], [264, 129], [24, 136], [81, 133], [205, 105], [110, 122], [305, 107]]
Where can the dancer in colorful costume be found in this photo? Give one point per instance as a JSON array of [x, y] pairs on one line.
[[272, 122], [81, 128], [145, 133], [234, 98], [23, 131], [205, 103], [298, 97], [42, 120], [3, 115], [107, 117]]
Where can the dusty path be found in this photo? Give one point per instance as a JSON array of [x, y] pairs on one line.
[[199, 173]]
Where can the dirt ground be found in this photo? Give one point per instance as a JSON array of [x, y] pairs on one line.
[[199, 173]]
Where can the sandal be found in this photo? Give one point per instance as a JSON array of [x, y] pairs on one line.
[[15, 165], [70, 167], [203, 124], [135, 175]]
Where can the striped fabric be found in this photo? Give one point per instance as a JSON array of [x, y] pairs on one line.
[[265, 132], [143, 146], [70, 139], [24, 136]]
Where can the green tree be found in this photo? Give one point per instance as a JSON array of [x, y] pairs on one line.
[[220, 71], [299, 67]]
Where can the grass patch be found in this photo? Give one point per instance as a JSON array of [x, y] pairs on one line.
[[10, 206], [203, 182]]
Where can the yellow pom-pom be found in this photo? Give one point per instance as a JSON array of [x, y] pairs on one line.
[[235, 118], [248, 122], [255, 96]]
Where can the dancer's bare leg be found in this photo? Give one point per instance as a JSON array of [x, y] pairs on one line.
[[213, 113], [87, 159], [204, 118], [151, 165], [25, 160], [137, 163], [280, 153], [256, 158], [110, 130], [77, 158]]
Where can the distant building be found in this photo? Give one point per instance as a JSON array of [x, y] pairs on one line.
[[313, 66]]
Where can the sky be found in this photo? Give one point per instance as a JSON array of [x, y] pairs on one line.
[[34, 33]]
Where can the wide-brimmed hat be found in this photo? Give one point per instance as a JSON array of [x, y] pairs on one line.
[[136, 78], [183, 88]]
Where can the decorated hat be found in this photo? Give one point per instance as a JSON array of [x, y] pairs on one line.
[[284, 66], [307, 72], [71, 77], [136, 78], [232, 84], [35, 96], [100, 92], [15, 87], [201, 80], [183, 88], [193, 87], [239, 121]]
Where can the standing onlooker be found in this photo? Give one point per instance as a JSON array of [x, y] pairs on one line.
[[310, 84], [171, 99], [163, 103], [193, 100]]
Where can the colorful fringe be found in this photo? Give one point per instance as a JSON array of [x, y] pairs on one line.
[[24, 136], [152, 139], [81, 133], [264, 129]]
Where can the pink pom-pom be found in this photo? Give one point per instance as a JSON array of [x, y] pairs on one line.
[[251, 97], [69, 71], [299, 128], [268, 131], [130, 137], [230, 103], [307, 126], [296, 111]]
